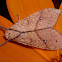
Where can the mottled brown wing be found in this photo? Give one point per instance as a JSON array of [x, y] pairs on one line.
[[51, 37], [42, 19], [44, 38]]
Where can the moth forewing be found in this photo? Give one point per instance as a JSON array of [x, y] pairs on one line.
[[37, 30]]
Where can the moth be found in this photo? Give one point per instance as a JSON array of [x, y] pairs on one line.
[[37, 30]]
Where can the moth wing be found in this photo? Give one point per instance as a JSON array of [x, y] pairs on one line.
[[49, 18], [41, 19], [52, 37], [49, 39]]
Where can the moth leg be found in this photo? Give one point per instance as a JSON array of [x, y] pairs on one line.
[[18, 17]]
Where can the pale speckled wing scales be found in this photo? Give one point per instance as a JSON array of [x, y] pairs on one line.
[[49, 18], [53, 38], [37, 38]]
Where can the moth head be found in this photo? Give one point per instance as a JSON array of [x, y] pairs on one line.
[[10, 34]]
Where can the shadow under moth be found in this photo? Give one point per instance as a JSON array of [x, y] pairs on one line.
[[37, 30]]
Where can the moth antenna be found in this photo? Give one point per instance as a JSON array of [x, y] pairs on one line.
[[3, 27], [4, 43], [18, 17]]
